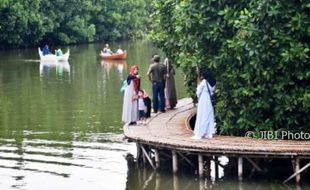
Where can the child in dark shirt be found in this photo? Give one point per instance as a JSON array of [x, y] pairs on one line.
[[148, 104]]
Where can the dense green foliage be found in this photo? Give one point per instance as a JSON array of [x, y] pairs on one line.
[[29, 22], [258, 50]]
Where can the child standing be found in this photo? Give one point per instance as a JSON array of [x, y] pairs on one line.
[[142, 108], [148, 104]]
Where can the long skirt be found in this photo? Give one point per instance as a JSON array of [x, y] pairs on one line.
[[130, 106], [204, 125], [170, 92]]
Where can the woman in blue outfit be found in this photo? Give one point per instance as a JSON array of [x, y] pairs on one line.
[[45, 50], [205, 126]]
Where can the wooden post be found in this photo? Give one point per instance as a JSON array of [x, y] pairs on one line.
[[150, 152], [208, 166], [138, 151], [297, 168], [216, 165], [240, 185], [157, 163], [201, 184], [174, 162], [144, 175], [240, 168], [143, 155], [146, 182], [175, 182], [157, 181], [139, 176], [240, 172], [148, 157], [200, 165]]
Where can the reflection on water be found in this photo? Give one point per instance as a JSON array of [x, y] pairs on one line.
[[46, 68], [93, 161], [60, 123], [142, 178], [109, 64]]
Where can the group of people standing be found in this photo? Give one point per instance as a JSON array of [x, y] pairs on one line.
[[161, 75], [137, 104]]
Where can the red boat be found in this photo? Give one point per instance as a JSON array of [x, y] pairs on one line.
[[114, 56]]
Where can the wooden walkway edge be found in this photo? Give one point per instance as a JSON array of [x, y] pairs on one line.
[[170, 131]]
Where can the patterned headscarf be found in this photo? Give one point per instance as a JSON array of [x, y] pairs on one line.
[[132, 77]]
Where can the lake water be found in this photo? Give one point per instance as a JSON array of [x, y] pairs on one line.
[[60, 125]]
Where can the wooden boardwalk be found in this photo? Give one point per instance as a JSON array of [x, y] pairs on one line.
[[170, 131]]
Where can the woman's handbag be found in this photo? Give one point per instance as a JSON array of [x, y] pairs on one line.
[[124, 86], [213, 96]]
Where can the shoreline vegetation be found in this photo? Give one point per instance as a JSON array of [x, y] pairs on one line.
[[40, 22], [258, 51]]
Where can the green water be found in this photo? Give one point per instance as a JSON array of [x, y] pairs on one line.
[[60, 124]]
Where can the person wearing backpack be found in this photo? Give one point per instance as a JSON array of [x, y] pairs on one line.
[[204, 125]]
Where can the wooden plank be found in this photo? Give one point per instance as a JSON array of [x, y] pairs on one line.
[[254, 165], [148, 158], [186, 159], [297, 173]]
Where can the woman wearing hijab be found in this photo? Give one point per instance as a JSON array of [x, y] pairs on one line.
[[130, 103], [170, 91], [205, 126]]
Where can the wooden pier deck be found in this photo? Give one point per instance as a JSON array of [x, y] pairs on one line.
[[170, 131]]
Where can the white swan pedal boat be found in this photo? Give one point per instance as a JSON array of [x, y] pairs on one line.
[[52, 57]]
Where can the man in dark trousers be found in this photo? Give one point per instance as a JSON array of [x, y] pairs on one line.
[[157, 73]]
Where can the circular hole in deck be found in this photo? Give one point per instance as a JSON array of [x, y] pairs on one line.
[[191, 121]]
